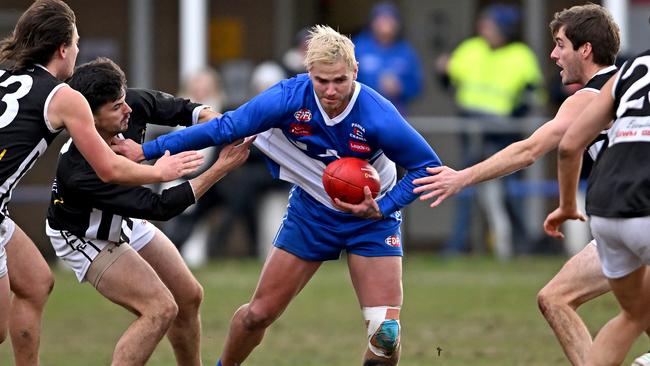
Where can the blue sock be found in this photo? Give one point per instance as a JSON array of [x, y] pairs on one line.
[[219, 362]]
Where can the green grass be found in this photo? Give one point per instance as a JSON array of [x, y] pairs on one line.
[[478, 311]]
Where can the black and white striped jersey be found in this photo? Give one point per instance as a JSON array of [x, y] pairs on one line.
[[84, 205], [25, 132], [594, 85], [619, 185]]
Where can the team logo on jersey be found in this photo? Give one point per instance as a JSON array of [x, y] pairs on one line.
[[393, 241], [303, 115], [357, 132], [359, 147], [300, 129]]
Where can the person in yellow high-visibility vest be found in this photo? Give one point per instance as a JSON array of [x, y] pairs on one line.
[[494, 77]]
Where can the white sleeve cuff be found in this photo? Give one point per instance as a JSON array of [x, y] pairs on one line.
[[193, 193], [196, 112]]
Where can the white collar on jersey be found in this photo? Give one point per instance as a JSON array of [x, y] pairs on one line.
[[333, 121], [603, 71], [42, 67]]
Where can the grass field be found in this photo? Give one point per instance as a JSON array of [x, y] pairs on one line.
[[478, 311]]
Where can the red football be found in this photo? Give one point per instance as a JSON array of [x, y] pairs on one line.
[[345, 178]]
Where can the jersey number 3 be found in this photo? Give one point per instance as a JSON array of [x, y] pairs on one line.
[[11, 99]]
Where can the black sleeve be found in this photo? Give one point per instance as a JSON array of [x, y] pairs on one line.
[[137, 202], [156, 107]]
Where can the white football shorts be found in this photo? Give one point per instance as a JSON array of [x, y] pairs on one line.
[[623, 245], [78, 253]]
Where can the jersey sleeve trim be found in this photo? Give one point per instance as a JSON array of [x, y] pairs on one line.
[[591, 90], [196, 112], [46, 107]]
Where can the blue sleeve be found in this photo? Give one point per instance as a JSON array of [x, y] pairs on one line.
[[258, 115], [408, 149]]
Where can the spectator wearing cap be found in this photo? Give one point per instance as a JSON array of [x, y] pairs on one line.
[[494, 76], [389, 64], [492, 72]]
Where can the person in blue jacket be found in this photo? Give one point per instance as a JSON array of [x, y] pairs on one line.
[[388, 62], [303, 124]]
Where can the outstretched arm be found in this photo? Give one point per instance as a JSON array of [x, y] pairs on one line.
[[70, 109], [588, 125], [445, 182], [257, 115], [142, 202]]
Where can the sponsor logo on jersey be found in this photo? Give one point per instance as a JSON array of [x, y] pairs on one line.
[[630, 129], [357, 132], [303, 115], [359, 147], [393, 241], [300, 129]]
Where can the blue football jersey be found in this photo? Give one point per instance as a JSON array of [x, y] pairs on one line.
[[299, 139]]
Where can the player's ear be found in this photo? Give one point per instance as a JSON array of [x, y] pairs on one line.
[[62, 51], [586, 49]]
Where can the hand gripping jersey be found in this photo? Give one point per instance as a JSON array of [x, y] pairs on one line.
[[25, 132], [619, 185], [87, 207], [299, 139]]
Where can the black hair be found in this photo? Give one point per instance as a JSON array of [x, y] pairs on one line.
[[100, 81]]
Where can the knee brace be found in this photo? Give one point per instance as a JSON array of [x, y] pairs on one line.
[[383, 329]]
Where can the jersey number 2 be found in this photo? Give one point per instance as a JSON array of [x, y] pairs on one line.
[[11, 99], [625, 104]]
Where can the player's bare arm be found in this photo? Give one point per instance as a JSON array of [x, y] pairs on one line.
[[588, 125], [69, 109], [230, 157], [445, 182], [367, 209]]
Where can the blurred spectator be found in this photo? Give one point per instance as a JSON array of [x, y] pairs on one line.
[[388, 63], [266, 75], [205, 86], [292, 60], [495, 77]]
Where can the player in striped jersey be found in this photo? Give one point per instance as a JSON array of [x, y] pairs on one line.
[[586, 43], [35, 106], [618, 201], [303, 124], [100, 230]]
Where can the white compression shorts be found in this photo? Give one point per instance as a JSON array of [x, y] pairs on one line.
[[78, 253]]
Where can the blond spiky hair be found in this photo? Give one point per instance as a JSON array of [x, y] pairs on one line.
[[326, 45]]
